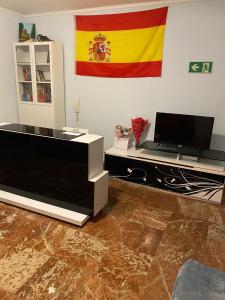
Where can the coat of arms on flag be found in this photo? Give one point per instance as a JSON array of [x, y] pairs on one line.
[[121, 45], [99, 49]]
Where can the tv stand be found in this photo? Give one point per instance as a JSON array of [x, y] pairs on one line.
[[177, 159], [206, 154], [173, 153], [202, 178], [187, 157]]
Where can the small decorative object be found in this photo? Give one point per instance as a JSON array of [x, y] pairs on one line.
[[41, 75], [122, 137], [77, 108], [27, 31], [37, 76], [48, 93], [41, 94], [27, 74], [44, 93], [138, 126], [122, 131], [48, 57], [43, 38], [27, 93]]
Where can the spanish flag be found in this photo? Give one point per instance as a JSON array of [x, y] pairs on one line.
[[121, 45]]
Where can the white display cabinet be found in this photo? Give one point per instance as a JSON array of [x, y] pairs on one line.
[[40, 83]]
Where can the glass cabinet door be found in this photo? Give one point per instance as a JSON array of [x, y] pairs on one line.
[[43, 74], [23, 60]]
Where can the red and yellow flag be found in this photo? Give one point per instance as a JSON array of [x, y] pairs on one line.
[[121, 45]]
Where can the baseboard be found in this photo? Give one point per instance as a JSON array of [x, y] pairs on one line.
[[44, 208]]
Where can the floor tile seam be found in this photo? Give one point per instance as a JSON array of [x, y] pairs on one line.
[[70, 267], [176, 249], [186, 218]]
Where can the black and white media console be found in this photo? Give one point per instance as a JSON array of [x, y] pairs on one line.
[[202, 178], [52, 172]]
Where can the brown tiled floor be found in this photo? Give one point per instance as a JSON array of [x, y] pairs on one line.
[[131, 250]]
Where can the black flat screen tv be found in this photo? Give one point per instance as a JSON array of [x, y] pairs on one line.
[[183, 130]]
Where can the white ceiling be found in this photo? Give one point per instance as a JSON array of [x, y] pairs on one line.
[[28, 7]]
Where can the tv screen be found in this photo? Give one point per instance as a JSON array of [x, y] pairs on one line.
[[183, 130]]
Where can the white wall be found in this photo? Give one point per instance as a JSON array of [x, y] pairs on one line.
[[8, 35], [195, 31]]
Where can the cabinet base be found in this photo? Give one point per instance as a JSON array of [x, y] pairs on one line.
[[44, 208]]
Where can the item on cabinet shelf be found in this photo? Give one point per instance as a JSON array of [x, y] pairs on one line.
[[37, 76], [27, 93], [48, 58], [40, 94], [41, 56], [138, 126], [41, 75], [122, 137], [27, 31], [48, 93], [44, 94], [43, 38], [27, 74]]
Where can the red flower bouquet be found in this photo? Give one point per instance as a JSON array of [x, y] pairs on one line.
[[138, 126]]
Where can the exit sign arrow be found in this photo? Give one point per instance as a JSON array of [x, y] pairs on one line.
[[195, 67], [200, 67]]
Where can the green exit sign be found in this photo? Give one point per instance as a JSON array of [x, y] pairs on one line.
[[200, 67]]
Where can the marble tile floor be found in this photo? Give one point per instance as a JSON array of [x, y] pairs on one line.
[[132, 250]]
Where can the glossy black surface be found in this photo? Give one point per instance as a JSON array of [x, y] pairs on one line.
[[48, 132], [176, 179], [183, 130], [52, 170]]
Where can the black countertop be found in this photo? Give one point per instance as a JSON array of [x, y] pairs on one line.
[[41, 131]]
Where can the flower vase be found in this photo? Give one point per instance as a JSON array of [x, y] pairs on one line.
[[138, 126]]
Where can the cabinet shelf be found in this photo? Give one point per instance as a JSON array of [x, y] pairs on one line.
[[23, 63], [40, 84], [35, 103], [26, 102], [42, 64]]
